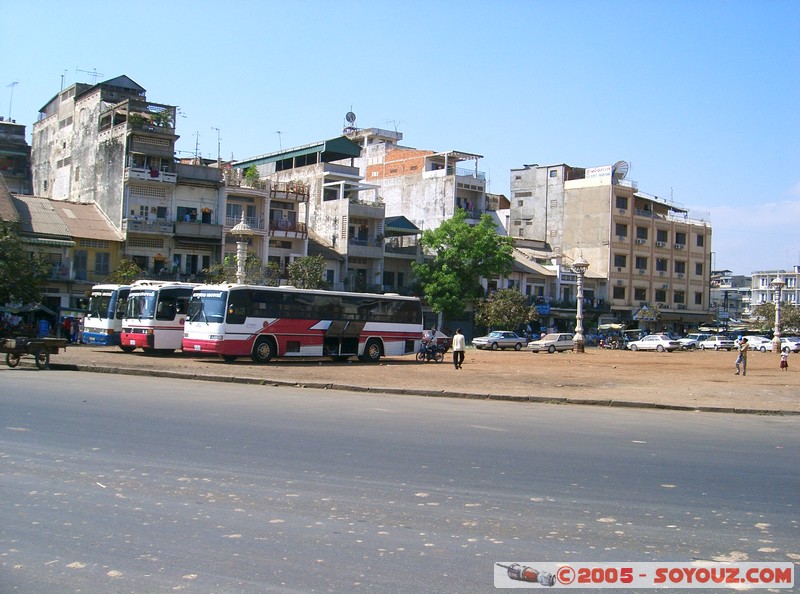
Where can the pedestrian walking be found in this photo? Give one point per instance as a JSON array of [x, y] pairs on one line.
[[785, 359], [459, 346], [741, 359]]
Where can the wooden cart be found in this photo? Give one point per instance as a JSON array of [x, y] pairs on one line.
[[39, 348]]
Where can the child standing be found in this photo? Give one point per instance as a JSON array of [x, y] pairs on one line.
[[785, 360]]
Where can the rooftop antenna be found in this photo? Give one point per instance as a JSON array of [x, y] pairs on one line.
[[12, 85], [280, 144], [350, 117], [197, 147], [219, 160], [93, 73], [62, 78]]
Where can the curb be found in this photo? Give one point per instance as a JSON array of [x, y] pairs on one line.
[[423, 393]]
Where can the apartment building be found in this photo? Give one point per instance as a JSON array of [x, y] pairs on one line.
[[107, 144], [762, 291], [654, 258], [15, 157]]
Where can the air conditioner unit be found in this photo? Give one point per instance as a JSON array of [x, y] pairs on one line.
[[622, 211], [641, 271], [619, 283], [661, 244], [680, 275], [681, 306], [622, 238], [679, 246], [640, 241], [619, 268], [665, 286]]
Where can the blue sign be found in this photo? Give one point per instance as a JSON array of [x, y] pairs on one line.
[[543, 309]]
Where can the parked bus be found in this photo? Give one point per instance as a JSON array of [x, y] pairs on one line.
[[154, 316], [102, 322], [262, 323]]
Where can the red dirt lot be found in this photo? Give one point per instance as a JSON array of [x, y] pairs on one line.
[[701, 380]]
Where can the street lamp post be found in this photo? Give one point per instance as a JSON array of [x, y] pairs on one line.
[[777, 284], [580, 265], [241, 232]]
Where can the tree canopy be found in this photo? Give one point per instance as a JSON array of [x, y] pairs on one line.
[[763, 317], [254, 271], [505, 309], [21, 273], [308, 273], [462, 254], [127, 272]]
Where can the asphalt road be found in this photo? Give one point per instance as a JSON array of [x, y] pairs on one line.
[[147, 484]]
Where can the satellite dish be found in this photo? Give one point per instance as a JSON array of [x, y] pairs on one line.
[[350, 117], [620, 170]]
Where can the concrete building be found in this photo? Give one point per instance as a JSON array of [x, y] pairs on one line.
[[654, 258], [108, 145], [15, 157], [761, 290], [729, 298]]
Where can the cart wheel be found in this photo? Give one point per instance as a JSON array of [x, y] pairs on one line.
[[12, 360], [42, 359]]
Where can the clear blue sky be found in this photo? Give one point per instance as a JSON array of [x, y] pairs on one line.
[[702, 98]]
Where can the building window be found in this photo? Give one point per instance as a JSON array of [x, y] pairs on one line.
[[641, 233], [698, 298], [679, 297], [619, 293], [553, 173], [622, 202], [680, 238], [680, 267], [621, 230], [641, 262], [661, 296], [661, 265], [701, 240], [662, 235], [102, 263], [620, 260], [698, 268], [640, 294]]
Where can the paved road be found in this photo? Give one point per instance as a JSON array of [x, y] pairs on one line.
[[133, 484]]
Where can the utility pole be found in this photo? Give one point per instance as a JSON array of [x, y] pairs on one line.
[[219, 161], [280, 144], [12, 85]]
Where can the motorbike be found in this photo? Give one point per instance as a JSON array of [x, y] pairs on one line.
[[430, 351]]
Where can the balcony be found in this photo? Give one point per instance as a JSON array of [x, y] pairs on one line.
[[155, 175], [289, 191], [395, 247], [367, 210], [158, 226], [197, 230], [287, 228], [365, 248]]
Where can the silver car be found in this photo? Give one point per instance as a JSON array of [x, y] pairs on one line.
[[717, 343], [500, 339], [558, 341], [655, 342]]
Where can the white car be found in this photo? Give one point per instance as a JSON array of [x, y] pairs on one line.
[[758, 343], [791, 342], [655, 342], [690, 341], [558, 341], [500, 339], [717, 343]]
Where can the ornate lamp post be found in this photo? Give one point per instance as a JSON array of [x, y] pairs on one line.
[[777, 284], [580, 265], [241, 232]]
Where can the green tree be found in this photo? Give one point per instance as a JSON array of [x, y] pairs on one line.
[[462, 254], [127, 272], [506, 309], [21, 273], [308, 273], [254, 271], [763, 317]]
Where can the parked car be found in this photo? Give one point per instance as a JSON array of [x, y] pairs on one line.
[[558, 341], [500, 339], [757, 342], [692, 340], [655, 342], [717, 343], [792, 342]]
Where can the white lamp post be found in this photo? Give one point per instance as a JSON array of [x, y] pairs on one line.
[[241, 231], [580, 265], [777, 284]]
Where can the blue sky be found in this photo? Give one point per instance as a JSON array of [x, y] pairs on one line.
[[702, 98]]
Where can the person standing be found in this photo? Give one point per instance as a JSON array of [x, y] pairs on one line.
[[785, 359], [741, 359], [459, 346]]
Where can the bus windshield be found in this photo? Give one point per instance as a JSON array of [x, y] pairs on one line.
[[100, 305], [207, 306], [141, 305]]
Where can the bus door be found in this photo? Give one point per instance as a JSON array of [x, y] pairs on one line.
[[341, 338]]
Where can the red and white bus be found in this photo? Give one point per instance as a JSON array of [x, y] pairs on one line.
[[154, 316], [232, 320]]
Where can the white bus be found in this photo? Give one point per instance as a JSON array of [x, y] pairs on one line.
[[262, 323], [154, 316], [103, 320]]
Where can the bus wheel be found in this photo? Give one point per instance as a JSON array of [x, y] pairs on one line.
[[372, 351], [126, 348], [228, 358], [263, 351], [12, 359]]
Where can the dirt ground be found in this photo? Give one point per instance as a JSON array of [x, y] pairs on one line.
[[699, 380]]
